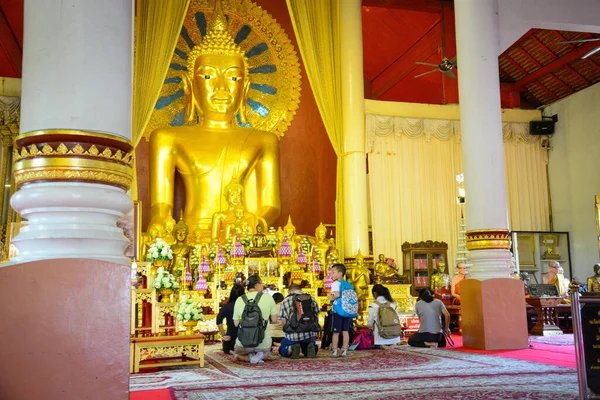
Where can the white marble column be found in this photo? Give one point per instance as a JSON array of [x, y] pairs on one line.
[[73, 169], [355, 190], [477, 40]]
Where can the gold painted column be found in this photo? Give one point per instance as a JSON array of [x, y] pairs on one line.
[[73, 157], [356, 230], [477, 39]]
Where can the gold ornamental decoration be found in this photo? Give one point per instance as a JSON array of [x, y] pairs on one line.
[[72, 156], [488, 239], [273, 67]]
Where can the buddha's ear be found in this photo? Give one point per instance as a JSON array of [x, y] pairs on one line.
[[190, 100], [244, 105]]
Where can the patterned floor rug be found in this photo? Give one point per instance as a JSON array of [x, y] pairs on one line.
[[403, 373], [558, 340]]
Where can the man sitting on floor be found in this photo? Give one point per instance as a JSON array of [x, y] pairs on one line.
[[299, 316]]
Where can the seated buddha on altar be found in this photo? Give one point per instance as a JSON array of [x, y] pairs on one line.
[[214, 151]]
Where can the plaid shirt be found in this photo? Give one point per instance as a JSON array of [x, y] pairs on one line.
[[286, 313]]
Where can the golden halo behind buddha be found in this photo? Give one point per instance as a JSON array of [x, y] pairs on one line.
[[272, 64]]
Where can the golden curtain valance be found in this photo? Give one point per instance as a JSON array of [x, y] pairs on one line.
[[413, 128]]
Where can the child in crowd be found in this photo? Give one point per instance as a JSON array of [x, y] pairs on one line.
[[338, 323], [277, 333], [382, 296], [226, 312]]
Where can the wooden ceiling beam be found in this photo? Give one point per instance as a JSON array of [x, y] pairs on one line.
[[10, 45], [431, 6], [516, 65], [405, 64], [556, 64], [543, 46], [561, 83], [545, 89]]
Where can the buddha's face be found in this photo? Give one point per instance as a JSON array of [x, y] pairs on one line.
[[234, 197], [381, 258], [259, 228], [219, 86], [181, 234]]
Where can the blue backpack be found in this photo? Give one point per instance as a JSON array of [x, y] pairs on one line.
[[347, 304]]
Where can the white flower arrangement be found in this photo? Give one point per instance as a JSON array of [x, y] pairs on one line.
[[159, 250], [189, 310], [164, 280]]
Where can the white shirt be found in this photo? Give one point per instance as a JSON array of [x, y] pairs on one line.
[[372, 322]]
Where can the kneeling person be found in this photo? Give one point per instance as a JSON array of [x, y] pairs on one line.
[[299, 316]]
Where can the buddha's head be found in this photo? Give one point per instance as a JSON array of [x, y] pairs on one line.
[[289, 228], [216, 83], [321, 232], [597, 269], [153, 233], [234, 194], [181, 230], [381, 258], [259, 229]]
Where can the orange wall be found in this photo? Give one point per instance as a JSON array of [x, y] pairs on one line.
[[308, 162]]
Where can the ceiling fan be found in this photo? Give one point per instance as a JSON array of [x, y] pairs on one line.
[[447, 65], [589, 53]]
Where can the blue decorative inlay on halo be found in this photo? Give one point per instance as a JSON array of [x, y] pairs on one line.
[[201, 23], [178, 119], [167, 100], [263, 88], [239, 121], [242, 34], [257, 50], [263, 69], [176, 79], [181, 53], [177, 67], [187, 38], [258, 108]]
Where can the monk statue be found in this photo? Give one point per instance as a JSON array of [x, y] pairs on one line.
[[360, 279], [555, 277], [462, 271], [440, 280], [385, 273], [181, 250], [321, 246], [260, 247], [593, 282], [209, 153]]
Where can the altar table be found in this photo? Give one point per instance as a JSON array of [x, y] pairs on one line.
[[166, 351]]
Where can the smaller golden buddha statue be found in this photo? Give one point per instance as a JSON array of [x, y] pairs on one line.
[[384, 272], [169, 228], [149, 238], [181, 250], [593, 282], [235, 220], [260, 247], [361, 279], [289, 230], [334, 254], [321, 246], [279, 235], [197, 237]]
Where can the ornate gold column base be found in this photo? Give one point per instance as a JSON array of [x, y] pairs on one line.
[[71, 189], [486, 239], [489, 253]]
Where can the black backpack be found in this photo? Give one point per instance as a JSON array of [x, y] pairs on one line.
[[302, 316], [252, 327]]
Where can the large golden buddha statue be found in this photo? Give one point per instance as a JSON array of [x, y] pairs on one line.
[[208, 154]]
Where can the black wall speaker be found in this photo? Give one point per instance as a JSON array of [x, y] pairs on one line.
[[541, 127]]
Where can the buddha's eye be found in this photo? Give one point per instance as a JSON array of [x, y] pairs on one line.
[[234, 78], [207, 76]]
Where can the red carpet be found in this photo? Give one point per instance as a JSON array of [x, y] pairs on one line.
[[403, 373], [160, 394], [559, 355]]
